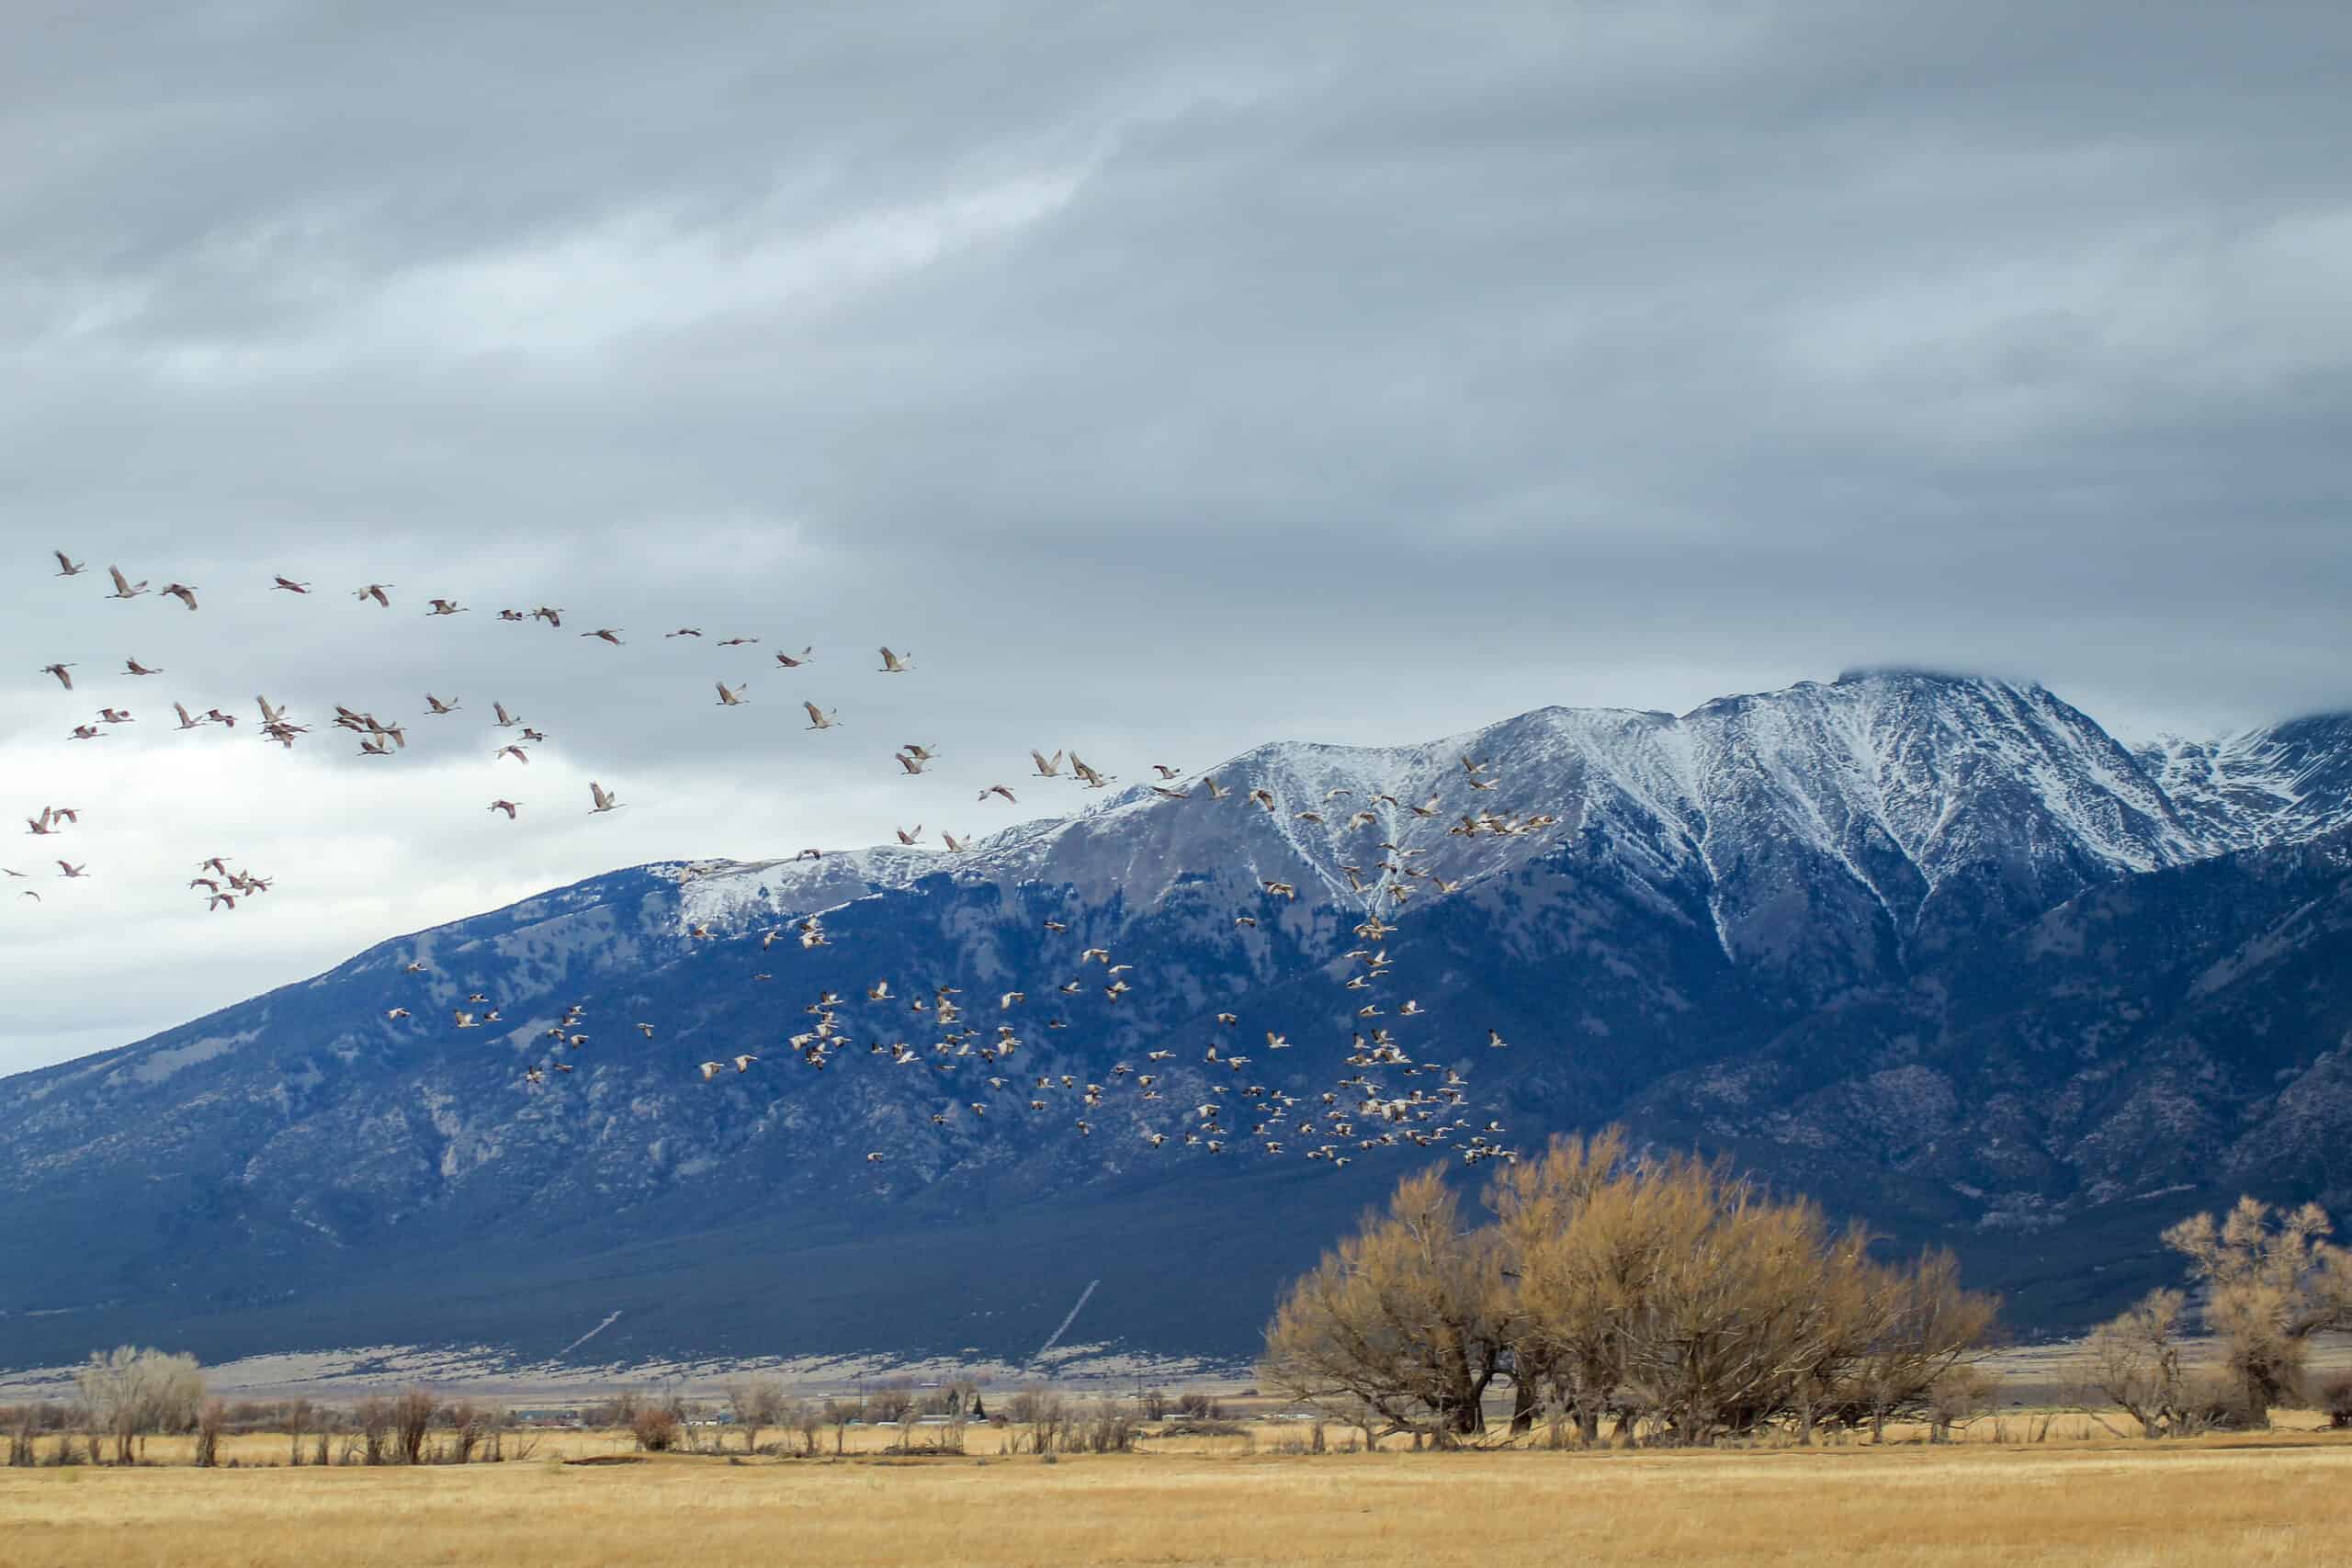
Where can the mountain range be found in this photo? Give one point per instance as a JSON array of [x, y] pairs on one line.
[[1936, 950]]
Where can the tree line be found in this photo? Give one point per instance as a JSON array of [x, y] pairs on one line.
[[128, 1394], [1674, 1302]]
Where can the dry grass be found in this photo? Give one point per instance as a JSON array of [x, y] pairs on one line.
[[2278, 1500]]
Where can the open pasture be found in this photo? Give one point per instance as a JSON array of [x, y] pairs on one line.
[[2284, 1498]]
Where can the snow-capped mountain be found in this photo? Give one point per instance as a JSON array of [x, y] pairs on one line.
[[1937, 949]]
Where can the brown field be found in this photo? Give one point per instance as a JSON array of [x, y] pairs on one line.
[[2284, 1498]]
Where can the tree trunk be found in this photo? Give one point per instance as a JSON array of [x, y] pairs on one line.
[[1522, 1404]]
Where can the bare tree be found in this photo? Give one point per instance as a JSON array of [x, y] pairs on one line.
[[298, 1421], [131, 1391], [2133, 1362], [1408, 1316], [411, 1417], [211, 1417], [756, 1404], [2270, 1288]]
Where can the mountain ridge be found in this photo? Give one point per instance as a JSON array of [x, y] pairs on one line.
[[1866, 914]]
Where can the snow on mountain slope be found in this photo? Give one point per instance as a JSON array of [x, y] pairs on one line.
[[1871, 796], [1757, 914], [2281, 783]]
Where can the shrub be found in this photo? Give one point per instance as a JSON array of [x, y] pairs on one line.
[[655, 1429], [2336, 1401]]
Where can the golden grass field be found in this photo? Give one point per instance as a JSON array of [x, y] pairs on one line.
[[2282, 1499]]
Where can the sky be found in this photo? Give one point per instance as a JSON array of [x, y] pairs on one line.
[[1168, 380]]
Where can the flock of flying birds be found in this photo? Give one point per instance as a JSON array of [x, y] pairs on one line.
[[1369, 1107]]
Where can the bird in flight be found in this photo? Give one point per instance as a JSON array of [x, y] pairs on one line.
[[376, 591], [123, 587], [67, 566], [896, 663], [604, 802]]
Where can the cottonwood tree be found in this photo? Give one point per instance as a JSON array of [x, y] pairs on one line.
[[756, 1404], [1667, 1286], [131, 1391], [2270, 1288], [2133, 1361], [1409, 1317]]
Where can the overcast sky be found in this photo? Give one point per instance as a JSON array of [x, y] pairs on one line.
[[1168, 378]]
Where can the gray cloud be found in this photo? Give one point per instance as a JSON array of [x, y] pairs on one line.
[[1168, 378]]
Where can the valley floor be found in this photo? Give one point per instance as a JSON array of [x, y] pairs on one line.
[[2283, 1500]]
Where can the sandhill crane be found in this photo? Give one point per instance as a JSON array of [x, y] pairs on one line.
[[133, 667], [920, 753], [1262, 798], [682, 631], [818, 719], [287, 585], [123, 587], [1164, 771], [1281, 891], [1093, 779], [84, 732], [393, 1014], [217, 716], [221, 901], [998, 789], [505, 720], [181, 592], [955, 845], [737, 641], [1277, 1041], [1047, 767], [1495, 1041], [40, 824], [375, 591], [606, 634], [710, 1070], [59, 670], [187, 722], [434, 704], [533, 736], [874, 1158], [910, 763], [604, 801], [508, 807], [909, 836], [727, 698], [446, 607], [896, 663], [743, 1063], [69, 869], [1166, 793], [1216, 791], [1251, 920], [551, 613], [792, 662], [67, 566], [116, 715]]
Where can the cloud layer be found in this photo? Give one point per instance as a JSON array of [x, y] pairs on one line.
[[1168, 380]]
